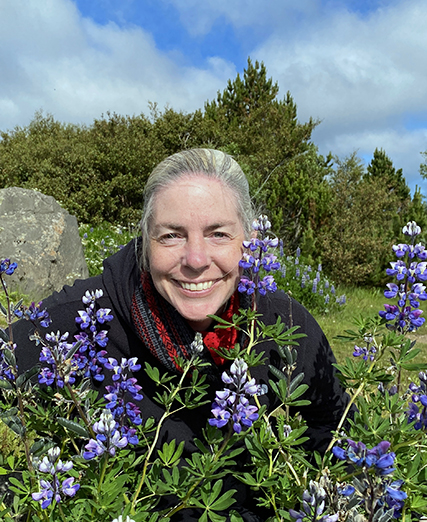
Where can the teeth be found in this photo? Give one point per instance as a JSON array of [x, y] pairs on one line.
[[197, 286]]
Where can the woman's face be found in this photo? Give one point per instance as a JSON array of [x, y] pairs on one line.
[[195, 247]]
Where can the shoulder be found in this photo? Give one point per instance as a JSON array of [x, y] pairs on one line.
[[276, 304]]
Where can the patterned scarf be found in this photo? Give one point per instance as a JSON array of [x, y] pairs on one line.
[[167, 334]]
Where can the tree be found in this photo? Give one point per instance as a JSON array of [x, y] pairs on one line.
[[355, 241], [285, 172]]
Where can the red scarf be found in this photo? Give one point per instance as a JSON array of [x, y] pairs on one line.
[[223, 337]]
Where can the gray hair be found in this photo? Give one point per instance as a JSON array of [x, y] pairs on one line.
[[207, 162]]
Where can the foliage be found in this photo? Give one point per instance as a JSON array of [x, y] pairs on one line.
[[308, 284], [358, 230], [84, 467], [285, 171], [101, 242]]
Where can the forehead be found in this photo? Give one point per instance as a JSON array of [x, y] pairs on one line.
[[195, 198]]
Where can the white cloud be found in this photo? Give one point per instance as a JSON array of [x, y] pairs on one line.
[[360, 75], [199, 17], [53, 59]]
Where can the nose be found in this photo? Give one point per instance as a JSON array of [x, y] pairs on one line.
[[196, 256]]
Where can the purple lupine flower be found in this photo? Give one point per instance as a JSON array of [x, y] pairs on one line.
[[54, 489], [125, 413], [61, 368], [232, 403], [6, 267], [107, 440], [35, 314], [258, 258], [365, 352], [313, 505], [404, 317], [377, 457], [267, 285]]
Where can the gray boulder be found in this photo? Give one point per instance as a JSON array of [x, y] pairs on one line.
[[43, 238]]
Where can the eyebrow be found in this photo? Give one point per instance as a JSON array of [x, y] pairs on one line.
[[180, 228]]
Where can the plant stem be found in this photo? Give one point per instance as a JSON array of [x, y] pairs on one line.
[[166, 414]]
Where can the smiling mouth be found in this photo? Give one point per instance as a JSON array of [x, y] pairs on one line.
[[197, 287]]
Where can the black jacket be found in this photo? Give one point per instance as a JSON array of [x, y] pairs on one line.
[[118, 282]]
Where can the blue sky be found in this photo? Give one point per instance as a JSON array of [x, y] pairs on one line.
[[357, 66]]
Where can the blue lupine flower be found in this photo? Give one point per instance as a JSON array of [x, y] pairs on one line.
[[358, 454], [313, 506], [258, 258], [107, 440], [124, 413], [6, 267], [267, 285], [54, 489], [232, 403], [365, 352]]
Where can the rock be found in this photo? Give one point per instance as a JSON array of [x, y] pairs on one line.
[[43, 238]]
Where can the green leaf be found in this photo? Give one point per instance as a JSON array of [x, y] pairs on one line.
[[295, 382], [299, 391], [26, 376], [5, 384], [9, 356], [41, 446], [76, 428], [13, 422], [276, 372]]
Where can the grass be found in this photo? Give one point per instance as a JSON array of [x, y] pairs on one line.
[[361, 302]]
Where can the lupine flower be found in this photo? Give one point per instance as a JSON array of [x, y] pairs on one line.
[[107, 438], [54, 489], [357, 453], [365, 352], [417, 410], [7, 372], [120, 519], [35, 314], [313, 505], [61, 368], [232, 403], [258, 258], [411, 229], [406, 317], [6, 267], [124, 412]]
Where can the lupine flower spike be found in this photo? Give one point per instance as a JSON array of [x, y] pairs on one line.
[[259, 259], [410, 271], [232, 403]]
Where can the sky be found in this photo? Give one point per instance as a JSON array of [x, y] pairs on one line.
[[357, 66]]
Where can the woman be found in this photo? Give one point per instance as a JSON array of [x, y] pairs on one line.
[[197, 213]]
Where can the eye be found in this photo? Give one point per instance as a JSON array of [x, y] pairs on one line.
[[169, 238]]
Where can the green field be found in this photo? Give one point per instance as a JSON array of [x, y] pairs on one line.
[[367, 303]]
